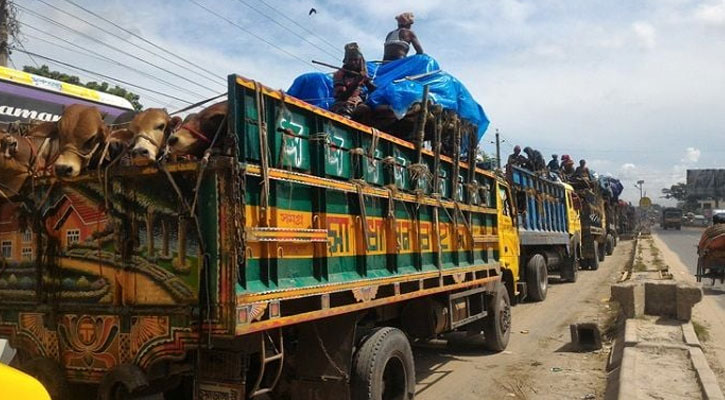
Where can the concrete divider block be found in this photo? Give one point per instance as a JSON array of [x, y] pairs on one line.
[[628, 375], [660, 298], [630, 296], [687, 295], [586, 336], [689, 336], [630, 332], [708, 381]]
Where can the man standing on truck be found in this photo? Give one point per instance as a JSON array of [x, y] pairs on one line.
[[397, 42], [348, 83]]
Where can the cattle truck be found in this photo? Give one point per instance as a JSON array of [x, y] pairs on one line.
[[297, 261], [672, 218], [593, 222], [549, 230]]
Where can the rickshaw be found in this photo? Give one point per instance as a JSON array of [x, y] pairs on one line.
[[711, 251]]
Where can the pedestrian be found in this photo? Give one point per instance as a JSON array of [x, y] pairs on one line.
[[348, 83], [554, 164], [397, 42]]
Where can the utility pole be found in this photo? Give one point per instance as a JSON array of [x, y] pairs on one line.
[[639, 185], [498, 148], [4, 53]]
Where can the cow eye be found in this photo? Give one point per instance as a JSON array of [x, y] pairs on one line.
[[160, 127]]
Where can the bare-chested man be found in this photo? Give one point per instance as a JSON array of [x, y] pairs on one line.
[[398, 42]]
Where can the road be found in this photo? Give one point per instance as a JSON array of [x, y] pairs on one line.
[[538, 363], [683, 243]]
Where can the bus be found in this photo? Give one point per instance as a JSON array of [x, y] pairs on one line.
[[26, 97]]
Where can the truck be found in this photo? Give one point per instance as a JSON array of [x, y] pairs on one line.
[[593, 222], [298, 259], [549, 230], [671, 218]]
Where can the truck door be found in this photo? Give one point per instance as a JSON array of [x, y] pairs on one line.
[[508, 233]]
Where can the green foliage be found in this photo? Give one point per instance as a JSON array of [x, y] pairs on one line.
[[72, 79], [677, 191]]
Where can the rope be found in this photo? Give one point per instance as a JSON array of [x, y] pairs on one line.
[[197, 104], [263, 153]]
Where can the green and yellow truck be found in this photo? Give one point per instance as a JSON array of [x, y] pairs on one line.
[[299, 260]]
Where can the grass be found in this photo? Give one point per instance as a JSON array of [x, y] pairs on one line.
[[702, 331], [639, 266]]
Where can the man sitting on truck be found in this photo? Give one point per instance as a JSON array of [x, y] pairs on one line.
[[567, 166], [516, 158], [348, 83], [397, 42], [582, 171], [554, 164], [535, 159]]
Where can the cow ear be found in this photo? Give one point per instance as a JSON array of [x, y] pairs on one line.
[[122, 135], [175, 122]]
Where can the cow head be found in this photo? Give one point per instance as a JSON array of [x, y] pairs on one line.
[[149, 130], [197, 132], [81, 132]]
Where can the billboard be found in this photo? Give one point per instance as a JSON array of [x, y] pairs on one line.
[[706, 182]]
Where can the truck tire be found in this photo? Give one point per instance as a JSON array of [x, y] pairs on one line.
[[602, 251], [383, 368], [497, 325], [50, 374], [125, 382], [610, 244], [537, 278]]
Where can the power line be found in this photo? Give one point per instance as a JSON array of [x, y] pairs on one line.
[[335, 56], [101, 57], [243, 29], [300, 26], [31, 58], [145, 40], [89, 37], [216, 82], [53, 60]]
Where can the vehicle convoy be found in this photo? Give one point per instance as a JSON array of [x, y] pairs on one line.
[[549, 230], [593, 222], [297, 258], [671, 218]]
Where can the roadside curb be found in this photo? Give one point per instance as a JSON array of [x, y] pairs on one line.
[[628, 364]]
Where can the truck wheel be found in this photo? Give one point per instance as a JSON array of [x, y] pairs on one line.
[[610, 244], [594, 261], [497, 325], [537, 278], [126, 382], [383, 368], [50, 374]]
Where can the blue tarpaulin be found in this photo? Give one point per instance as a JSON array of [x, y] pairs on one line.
[[446, 90]]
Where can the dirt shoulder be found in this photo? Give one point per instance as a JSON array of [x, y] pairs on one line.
[[538, 363], [708, 315]]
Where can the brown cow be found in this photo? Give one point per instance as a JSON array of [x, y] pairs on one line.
[[197, 132], [148, 133], [81, 133], [24, 155]]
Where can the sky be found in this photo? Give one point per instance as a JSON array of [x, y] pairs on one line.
[[637, 88]]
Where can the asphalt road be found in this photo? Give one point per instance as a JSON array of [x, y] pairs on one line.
[[684, 243]]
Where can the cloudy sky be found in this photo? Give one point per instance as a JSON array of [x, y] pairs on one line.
[[635, 87]]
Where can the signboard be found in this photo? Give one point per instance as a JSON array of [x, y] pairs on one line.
[[645, 202], [706, 182]]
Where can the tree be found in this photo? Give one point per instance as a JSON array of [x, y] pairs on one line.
[[72, 79], [677, 191]]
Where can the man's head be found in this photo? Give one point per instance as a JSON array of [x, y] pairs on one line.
[[554, 157], [582, 163], [517, 149], [353, 57], [405, 20], [528, 150]]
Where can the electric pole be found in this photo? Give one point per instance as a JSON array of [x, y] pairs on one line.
[[498, 148], [4, 33]]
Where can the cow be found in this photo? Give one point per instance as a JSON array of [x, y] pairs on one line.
[[24, 155], [197, 132], [146, 134], [81, 133]]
